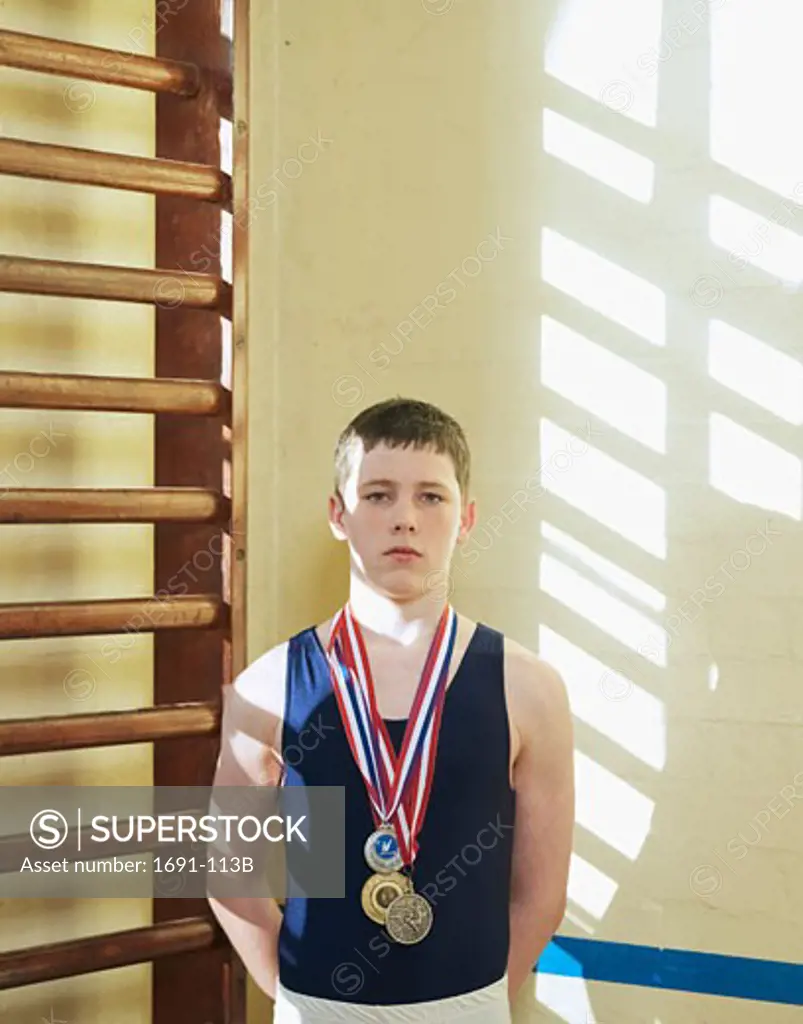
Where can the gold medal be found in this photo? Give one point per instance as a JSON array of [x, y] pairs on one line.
[[409, 918], [380, 891]]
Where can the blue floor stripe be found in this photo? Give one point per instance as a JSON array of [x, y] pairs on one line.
[[685, 970]]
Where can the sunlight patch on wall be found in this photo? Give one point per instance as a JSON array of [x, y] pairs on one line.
[[756, 370], [604, 286], [610, 808], [595, 44], [756, 82], [603, 488], [603, 568], [590, 888], [594, 604], [596, 379], [599, 157], [751, 239], [753, 470], [618, 708]]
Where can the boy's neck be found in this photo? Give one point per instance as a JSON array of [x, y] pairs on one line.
[[381, 618]]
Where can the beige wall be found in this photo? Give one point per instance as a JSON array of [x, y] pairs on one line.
[[62, 449], [431, 129]]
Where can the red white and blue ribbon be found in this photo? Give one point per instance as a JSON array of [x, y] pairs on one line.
[[398, 787]]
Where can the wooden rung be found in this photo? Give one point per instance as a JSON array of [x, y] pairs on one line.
[[84, 618], [164, 288], [131, 505], [109, 728], [114, 394], [102, 952], [113, 170], [111, 67]]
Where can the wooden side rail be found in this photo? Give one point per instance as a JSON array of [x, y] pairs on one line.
[[102, 952], [113, 170], [107, 728], [165, 288], [84, 618], [114, 394], [75, 60], [131, 505]]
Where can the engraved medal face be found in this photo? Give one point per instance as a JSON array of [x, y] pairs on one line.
[[409, 919], [382, 851], [380, 892]]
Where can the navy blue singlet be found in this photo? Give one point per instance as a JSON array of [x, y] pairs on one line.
[[329, 948]]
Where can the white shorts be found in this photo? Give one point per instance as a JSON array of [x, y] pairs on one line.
[[483, 1006]]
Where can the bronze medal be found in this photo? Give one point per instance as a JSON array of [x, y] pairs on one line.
[[409, 919]]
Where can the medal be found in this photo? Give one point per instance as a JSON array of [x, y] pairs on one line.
[[381, 892], [382, 850], [409, 918], [398, 787]]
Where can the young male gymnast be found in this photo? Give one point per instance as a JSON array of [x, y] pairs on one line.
[[453, 744]]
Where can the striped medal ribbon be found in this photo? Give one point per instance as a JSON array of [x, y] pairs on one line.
[[398, 787]]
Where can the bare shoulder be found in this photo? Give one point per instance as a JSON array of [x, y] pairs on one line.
[[251, 727], [262, 683], [536, 694]]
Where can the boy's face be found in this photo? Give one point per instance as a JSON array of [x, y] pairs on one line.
[[401, 497]]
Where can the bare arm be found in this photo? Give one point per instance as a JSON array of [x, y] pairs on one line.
[[542, 841], [249, 757]]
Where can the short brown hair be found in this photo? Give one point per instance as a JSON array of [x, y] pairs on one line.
[[400, 423]]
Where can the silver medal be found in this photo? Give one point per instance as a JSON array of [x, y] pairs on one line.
[[382, 853]]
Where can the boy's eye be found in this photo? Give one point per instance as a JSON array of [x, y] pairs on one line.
[[381, 494]]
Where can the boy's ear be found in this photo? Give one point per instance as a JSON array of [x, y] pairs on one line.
[[467, 520], [336, 510]]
